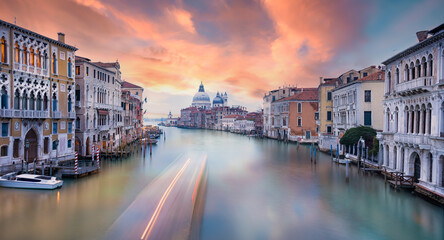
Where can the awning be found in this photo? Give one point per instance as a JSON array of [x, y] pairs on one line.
[[103, 112]]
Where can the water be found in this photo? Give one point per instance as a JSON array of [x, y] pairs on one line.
[[257, 189]]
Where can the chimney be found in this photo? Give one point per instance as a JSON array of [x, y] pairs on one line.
[[422, 35], [61, 37]]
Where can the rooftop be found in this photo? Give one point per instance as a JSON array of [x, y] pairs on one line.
[[306, 94], [130, 85]]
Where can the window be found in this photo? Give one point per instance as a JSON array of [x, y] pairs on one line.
[[299, 121], [46, 145], [54, 102], [4, 151], [365, 74], [355, 78], [328, 96], [367, 118], [78, 123], [77, 70], [348, 79], [54, 128], [5, 128], [69, 143], [69, 127], [284, 121], [316, 115], [87, 71], [328, 129], [3, 49], [15, 149], [54, 145], [328, 115], [54, 64], [299, 107], [94, 73], [367, 96], [4, 98]]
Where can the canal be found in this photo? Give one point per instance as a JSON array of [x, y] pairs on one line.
[[257, 189]]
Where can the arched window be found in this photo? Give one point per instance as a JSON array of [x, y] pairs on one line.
[[430, 65], [69, 103], [418, 68], [77, 123], [17, 99], [39, 60], [69, 67], [25, 55], [54, 102], [397, 76], [3, 49], [45, 102], [412, 68], [45, 58], [17, 52], [396, 120], [32, 101], [31, 58], [4, 98], [389, 82], [406, 73], [387, 121], [424, 67], [25, 101], [430, 167], [39, 102], [54, 63]]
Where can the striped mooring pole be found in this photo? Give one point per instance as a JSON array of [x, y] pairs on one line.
[[98, 161], [76, 161], [92, 154]]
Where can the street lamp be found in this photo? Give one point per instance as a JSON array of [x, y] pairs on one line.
[[27, 153]]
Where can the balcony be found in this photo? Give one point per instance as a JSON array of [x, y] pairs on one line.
[[78, 104], [103, 128], [72, 115], [29, 113], [119, 124], [102, 106], [30, 69], [119, 108], [415, 86], [56, 114], [420, 140], [5, 113]]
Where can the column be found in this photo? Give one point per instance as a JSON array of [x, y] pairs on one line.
[[421, 121], [409, 121]]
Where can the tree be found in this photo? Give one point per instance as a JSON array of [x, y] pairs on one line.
[[352, 136]]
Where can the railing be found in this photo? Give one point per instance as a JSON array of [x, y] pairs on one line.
[[72, 115], [415, 83], [102, 105], [77, 104], [411, 138], [119, 124], [30, 69], [119, 108], [103, 127], [6, 113], [28, 113], [56, 114]]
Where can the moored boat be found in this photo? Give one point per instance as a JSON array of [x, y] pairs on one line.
[[31, 181]]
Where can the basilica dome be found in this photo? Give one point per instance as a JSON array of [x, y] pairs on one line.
[[201, 98]]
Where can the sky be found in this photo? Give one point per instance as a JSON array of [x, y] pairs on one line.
[[242, 47]]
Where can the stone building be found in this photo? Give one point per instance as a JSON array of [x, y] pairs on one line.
[[412, 139], [37, 96], [98, 105], [324, 121]]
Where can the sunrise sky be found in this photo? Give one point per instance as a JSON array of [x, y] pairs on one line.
[[244, 47]]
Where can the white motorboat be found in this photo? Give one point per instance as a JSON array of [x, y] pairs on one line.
[[32, 181]]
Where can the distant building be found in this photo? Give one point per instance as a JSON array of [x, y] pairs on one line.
[[358, 103], [324, 120], [201, 99]]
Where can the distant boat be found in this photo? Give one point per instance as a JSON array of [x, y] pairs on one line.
[[153, 141], [31, 181]]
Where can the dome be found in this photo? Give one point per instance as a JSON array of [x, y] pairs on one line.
[[218, 100], [201, 97]]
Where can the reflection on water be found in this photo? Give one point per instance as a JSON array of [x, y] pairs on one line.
[[257, 189]]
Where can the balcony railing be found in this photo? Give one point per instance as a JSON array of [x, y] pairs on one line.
[[30, 69], [78, 104], [412, 138], [102, 105], [414, 84], [56, 114], [17, 113], [119, 124], [103, 127], [72, 115], [5, 113]]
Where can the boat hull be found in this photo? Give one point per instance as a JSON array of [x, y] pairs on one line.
[[30, 185]]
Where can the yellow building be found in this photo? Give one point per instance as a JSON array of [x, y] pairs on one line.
[[37, 93]]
